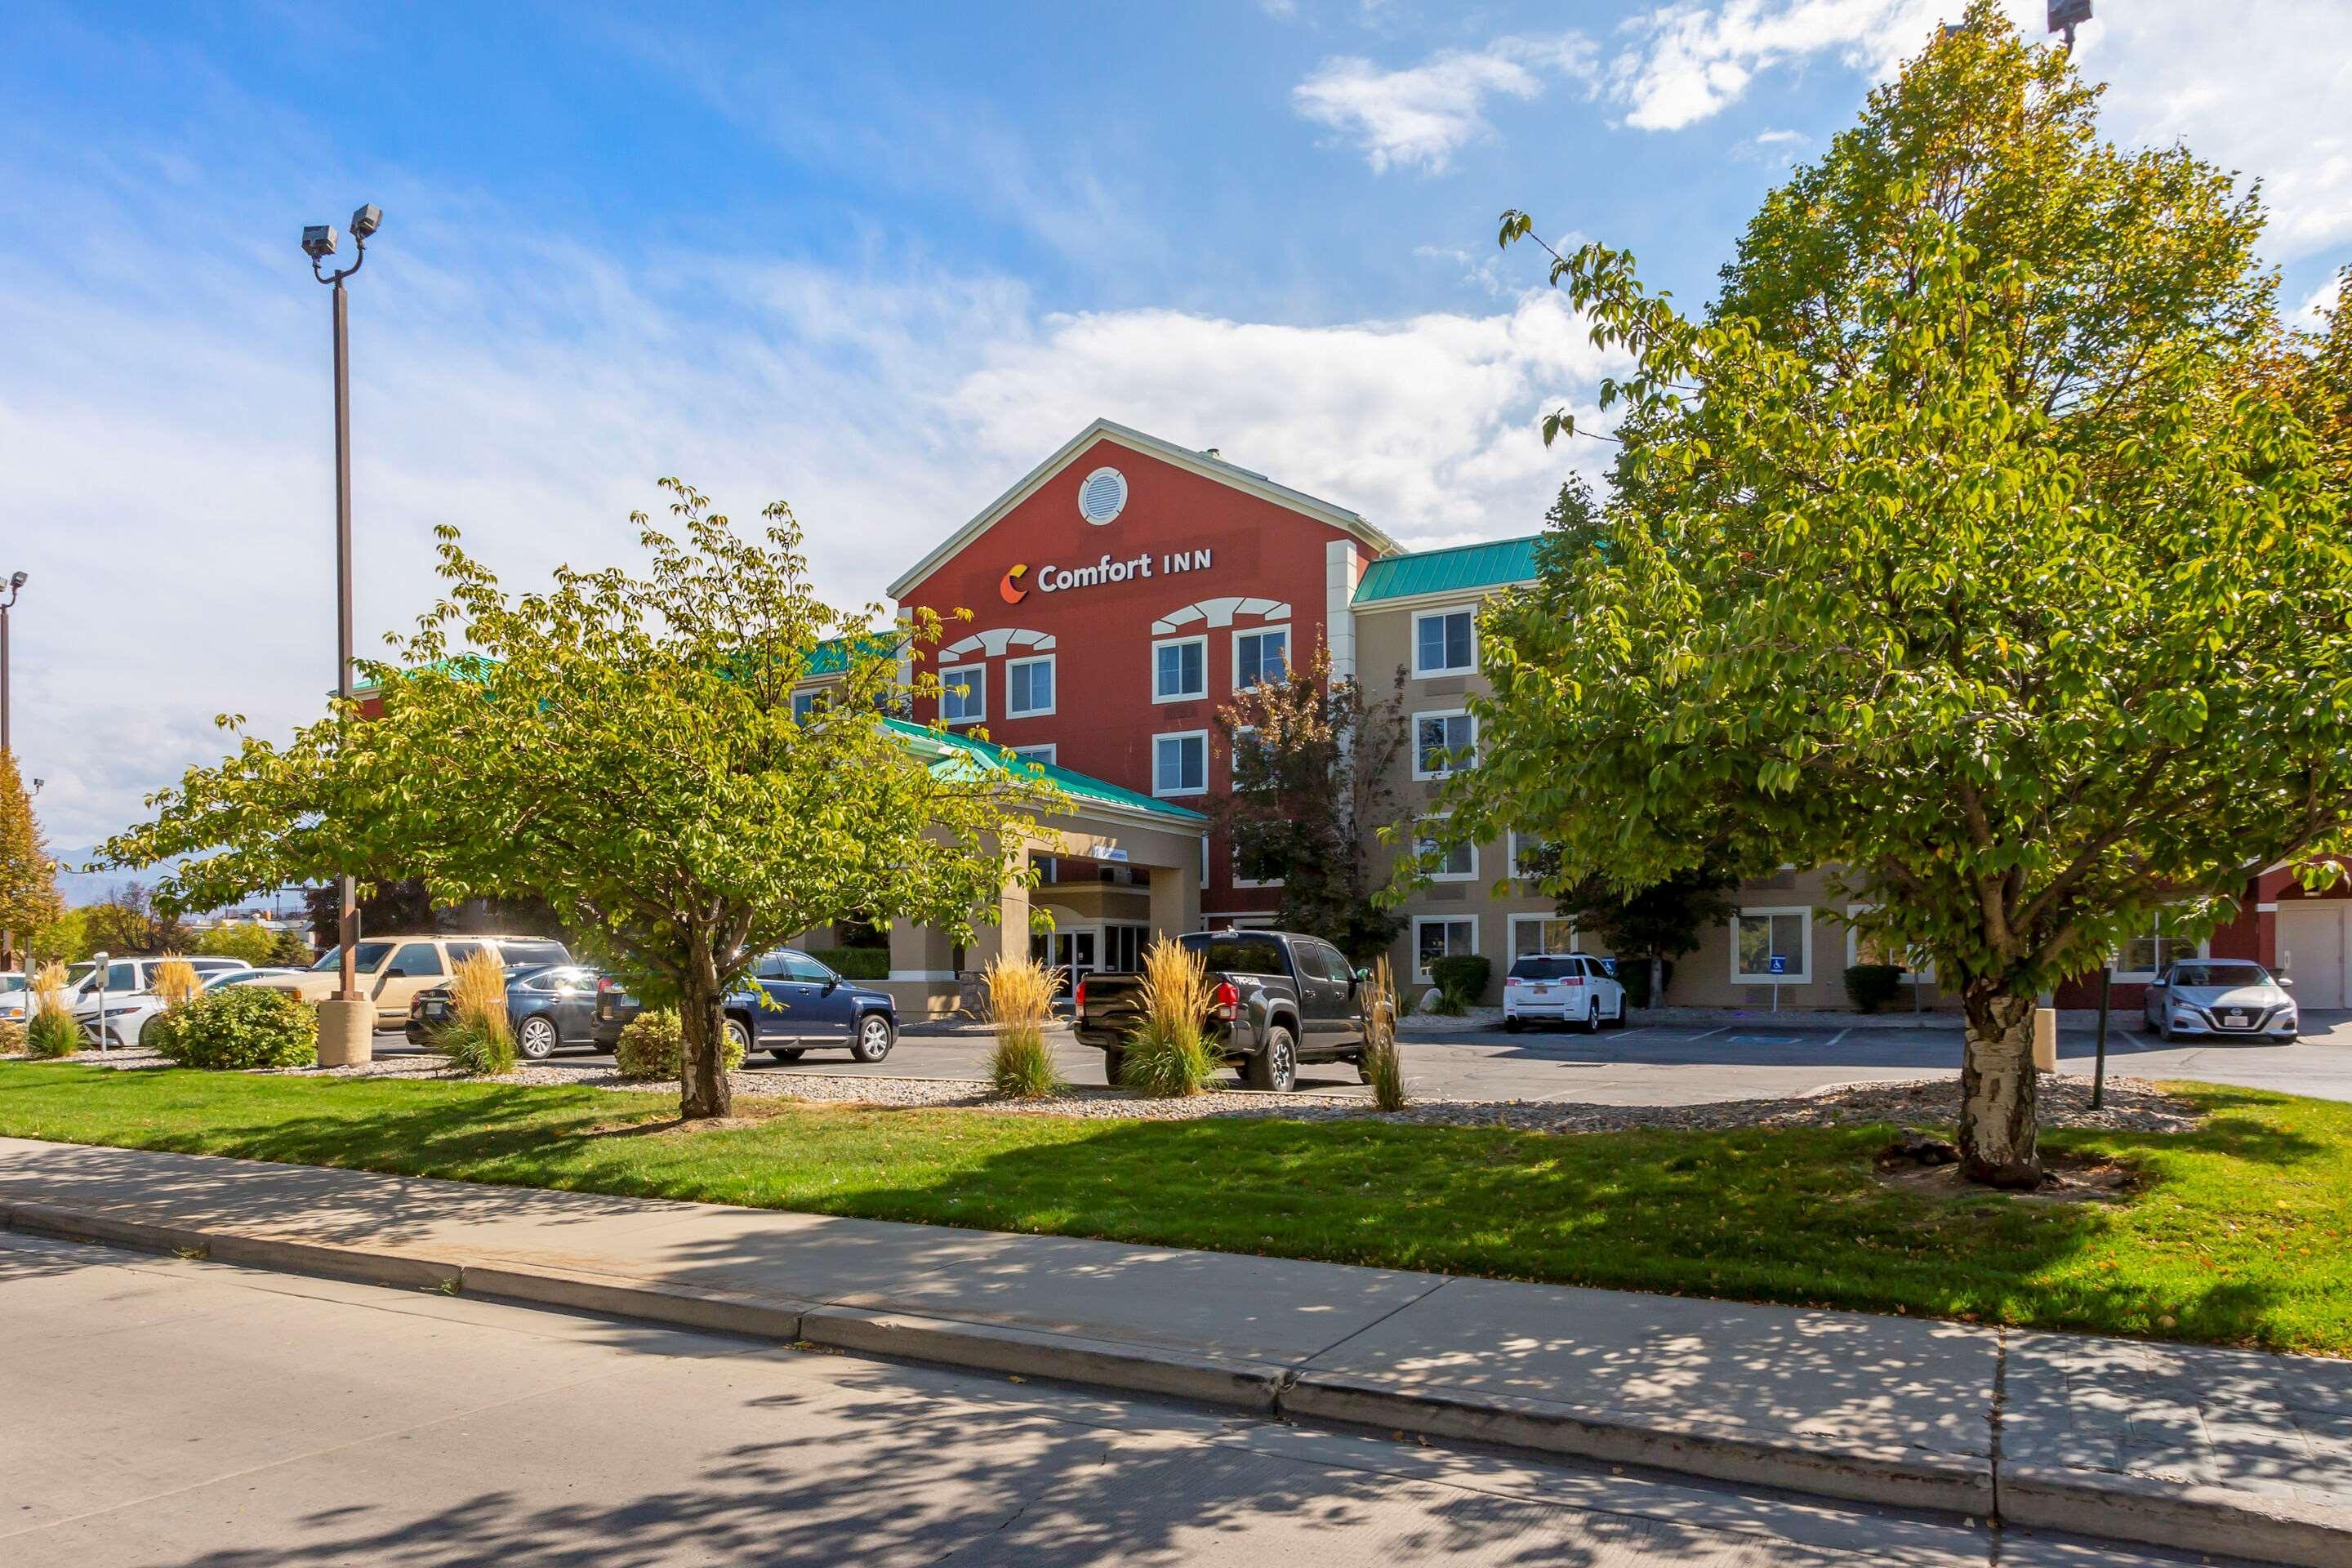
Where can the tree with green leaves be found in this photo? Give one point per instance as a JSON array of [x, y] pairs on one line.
[[128, 920], [1314, 768], [1972, 542], [28, 881], [625, 747], [248, 939]]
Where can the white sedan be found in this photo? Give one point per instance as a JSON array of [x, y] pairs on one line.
[[2221, 998], [128, 997]]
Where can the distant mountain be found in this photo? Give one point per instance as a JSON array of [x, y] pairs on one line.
[[94, 887]]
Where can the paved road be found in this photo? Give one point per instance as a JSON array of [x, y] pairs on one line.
[[1670, 1064], [162, 1411]]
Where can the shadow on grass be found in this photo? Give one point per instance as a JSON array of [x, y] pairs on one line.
[[1791, 1215]]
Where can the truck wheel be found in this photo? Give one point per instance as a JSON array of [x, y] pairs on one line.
[[1114, 1065], [1277, 1067]]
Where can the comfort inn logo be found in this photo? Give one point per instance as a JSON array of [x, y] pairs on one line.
[[1015, 584]]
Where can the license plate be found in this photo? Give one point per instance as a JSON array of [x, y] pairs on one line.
[[2237, 1019], [1540, 990]]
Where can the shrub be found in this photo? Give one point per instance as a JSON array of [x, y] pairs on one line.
[[1870, 986], [653, 1047], [1461, 977], [855, 962], [1633, 973], [1384, 1061], [1019, 999], [51, 1031], [477, 1038], [1166, 1055], [244, 1027]]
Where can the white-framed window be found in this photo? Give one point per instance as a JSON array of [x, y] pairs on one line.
[[1444, 642], [1436, 740], [1261, 655], [2144, 956], [963, 694], [1877, 947], [1179, 669], [1440, 936], [1533, 936], [1525, 848], [1029, 687], [1760, 934], [804, 706], [1459, 862], [1049, 753], [1179, 765]]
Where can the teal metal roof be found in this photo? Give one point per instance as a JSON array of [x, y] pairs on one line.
[[1077, 786], [1453, 571], [831, 657]]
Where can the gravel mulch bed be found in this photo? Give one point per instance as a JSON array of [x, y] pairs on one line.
[[2132, 1104]]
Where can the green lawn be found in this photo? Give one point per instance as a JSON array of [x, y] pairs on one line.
[[2238, 1233]]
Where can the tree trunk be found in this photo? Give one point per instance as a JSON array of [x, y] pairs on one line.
[[1999, 1136], [703, 1089]]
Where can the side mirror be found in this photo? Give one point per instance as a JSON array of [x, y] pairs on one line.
[[2286, 983], [1361, 975]]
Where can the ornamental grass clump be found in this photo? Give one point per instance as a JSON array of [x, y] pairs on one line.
[[51, 1031], [176, 984], [477, 1039], [1383, 1063], [1167, 1057], [1020, 1000]]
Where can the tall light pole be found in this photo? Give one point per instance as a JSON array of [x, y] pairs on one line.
[[318, 241], [15, 586]]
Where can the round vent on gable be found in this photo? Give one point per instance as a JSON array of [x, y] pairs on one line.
[[1103, 496]]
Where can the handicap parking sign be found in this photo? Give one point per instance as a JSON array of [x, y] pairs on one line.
[[1779, 963]]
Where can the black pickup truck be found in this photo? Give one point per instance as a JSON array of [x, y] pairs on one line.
[[1278, 999]]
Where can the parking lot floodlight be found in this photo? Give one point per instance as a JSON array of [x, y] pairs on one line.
[[18, 581], [318, 241], [366, 220]]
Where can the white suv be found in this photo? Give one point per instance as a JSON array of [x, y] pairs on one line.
[[1562, 987]]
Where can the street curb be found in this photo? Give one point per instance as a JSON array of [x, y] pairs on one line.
[[1809, 1464], [712, 1312], [2182, 1515], [2137, 1509], [988, 1347]]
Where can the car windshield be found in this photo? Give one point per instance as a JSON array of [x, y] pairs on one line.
[[1542, 968], [12, 982], [2220, 975], [370, 954]]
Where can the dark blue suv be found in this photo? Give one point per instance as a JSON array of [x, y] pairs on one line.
[[809, 1008]]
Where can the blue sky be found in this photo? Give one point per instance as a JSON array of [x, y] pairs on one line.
[[873, 261]]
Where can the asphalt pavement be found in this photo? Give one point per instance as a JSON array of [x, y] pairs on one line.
[[1678, 1063], [168, 1410]]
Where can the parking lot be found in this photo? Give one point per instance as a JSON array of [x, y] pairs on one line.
[[1664, 1064]]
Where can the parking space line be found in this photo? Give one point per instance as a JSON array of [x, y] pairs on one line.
[[1693, 1038], [1833, 1039]]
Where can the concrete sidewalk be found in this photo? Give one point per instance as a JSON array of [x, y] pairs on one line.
[[2221, 1451]]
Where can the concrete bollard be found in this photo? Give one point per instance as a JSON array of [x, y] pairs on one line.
[[2045, 1040], [346, 1032]]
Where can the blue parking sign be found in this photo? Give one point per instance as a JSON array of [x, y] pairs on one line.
[[1779, 963]]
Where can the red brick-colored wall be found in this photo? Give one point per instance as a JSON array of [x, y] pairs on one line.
[[1104, 718]]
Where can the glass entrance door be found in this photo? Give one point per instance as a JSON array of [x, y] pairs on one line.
[[1074, 956]]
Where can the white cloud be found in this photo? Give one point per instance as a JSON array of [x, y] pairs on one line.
[[2259, 87], [2312, 314], [1420, 116], [164, 466], [1773, 149]]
